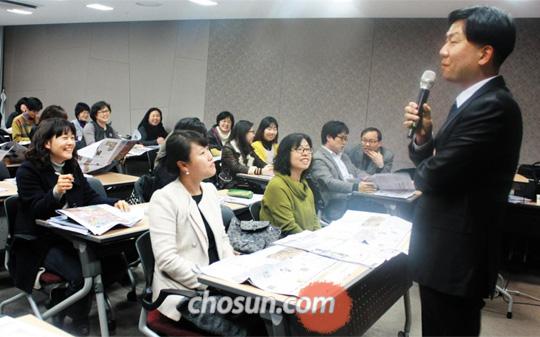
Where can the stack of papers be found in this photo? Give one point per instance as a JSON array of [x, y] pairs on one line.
[[95, 219], [394, 185], [13, 327]]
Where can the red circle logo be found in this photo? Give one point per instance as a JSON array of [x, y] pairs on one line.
[[323, 307]]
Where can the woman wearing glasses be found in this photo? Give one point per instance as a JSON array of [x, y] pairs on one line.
[[99, 128], [265, 143], [288, 201]]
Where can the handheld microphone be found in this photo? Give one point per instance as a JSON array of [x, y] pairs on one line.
[[426, 82]]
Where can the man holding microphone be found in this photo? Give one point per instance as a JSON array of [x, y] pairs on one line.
[[465, 173]]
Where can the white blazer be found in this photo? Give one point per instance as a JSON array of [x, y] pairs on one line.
[[179, 239]]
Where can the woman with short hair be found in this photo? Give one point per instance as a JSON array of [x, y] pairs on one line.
[[220, 133], [288, 201], [99, 128]]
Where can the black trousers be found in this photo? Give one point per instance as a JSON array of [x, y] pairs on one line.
[[449, 315]]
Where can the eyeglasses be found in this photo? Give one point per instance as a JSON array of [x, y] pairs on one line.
[[302, 150], [369, 141], [343, 138], [104, 111]]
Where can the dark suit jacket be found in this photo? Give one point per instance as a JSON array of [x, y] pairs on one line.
[[30, 242], [455, 242]]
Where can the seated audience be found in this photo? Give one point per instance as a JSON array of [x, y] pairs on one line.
[[82, 116], [48, 180], [52, 111], [370, 156], [186, 226], [151, 128], [237, 155], [99, 128], [220, 133], [288, 201], [333, 172], [22, 126], [265, 143], [20, 107]]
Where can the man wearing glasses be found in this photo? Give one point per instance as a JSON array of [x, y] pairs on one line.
[[334, 174], [370, 156]]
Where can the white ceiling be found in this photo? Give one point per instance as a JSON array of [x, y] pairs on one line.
[[71, 11]]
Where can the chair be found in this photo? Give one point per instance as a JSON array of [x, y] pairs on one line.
[[151, 322], [4, 172], [47, 280], [255, 210], [97, 186]]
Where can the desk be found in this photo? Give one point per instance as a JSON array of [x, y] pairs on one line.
[[372, 293], [236, 208], [89, 247], [255, 178], [42, 325], [110, 179], [7, 189]]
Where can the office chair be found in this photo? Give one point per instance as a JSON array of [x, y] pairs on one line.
[[47, 280], [255, 210], [151, 322], [227, 214]]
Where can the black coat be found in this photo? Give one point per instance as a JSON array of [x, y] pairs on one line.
[[31, 242], [455, 241]]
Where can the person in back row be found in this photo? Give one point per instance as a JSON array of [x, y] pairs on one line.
[[99, 128], [265, 143], [82, 116], [370, 156], [220, 133], [20, 107], [288, 201], [238, 156], [333, 172], [151, 128], [21, 129]]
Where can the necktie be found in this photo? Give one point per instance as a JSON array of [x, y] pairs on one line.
[[453, 111]]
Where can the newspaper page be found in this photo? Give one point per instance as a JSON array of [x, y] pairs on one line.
[[395, 185], [100, 218], [101, 154]]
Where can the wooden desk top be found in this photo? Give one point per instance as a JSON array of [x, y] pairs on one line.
[[38, 323], [7, 189], [518, 178], [116, 179]]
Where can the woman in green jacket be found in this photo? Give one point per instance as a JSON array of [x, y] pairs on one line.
[[288, 201]]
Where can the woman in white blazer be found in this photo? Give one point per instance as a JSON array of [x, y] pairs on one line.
[[186, 227]]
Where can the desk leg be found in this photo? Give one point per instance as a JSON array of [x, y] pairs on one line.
[[100, 303], [407, 327], [391, 209], [275, 325]]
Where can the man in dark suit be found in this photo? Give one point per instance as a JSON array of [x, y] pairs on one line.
[[465, 174]]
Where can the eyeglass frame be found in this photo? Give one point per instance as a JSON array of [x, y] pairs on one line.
[[302, 150]]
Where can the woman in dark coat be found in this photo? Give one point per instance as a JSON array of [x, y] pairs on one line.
[[151, 128]]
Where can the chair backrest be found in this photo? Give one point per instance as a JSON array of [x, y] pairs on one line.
[[4, 172], [144, 187], [227, 214], [254, 210], [97, 186], [11, 206], [144, 248]]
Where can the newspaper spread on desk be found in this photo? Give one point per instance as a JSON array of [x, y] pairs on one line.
[[358, 237], [96, 219], [351, 246]]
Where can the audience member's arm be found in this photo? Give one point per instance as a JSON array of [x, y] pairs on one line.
[[231, 162], [324, 176]]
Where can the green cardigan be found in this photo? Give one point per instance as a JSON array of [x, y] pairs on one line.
[[289, 205]]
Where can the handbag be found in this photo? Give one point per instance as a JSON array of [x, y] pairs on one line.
[[251, 236]]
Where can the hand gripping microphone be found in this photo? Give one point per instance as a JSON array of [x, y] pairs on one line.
[[426, 82]]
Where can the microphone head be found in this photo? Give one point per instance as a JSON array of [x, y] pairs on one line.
[[427, 80]]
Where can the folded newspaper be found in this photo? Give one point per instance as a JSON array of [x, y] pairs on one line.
[[101, 154], [395, 185], [96, 219]]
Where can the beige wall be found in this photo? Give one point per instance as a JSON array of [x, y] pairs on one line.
[[303, 72]]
